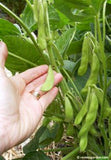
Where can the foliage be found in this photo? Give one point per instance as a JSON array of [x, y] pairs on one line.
[[76, 41]]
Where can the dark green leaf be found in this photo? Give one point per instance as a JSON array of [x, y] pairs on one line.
[[1, 158], [69, 66], [23, 54], [80, 81], [75, 47], [97, 4], [34, 143], [7, 28], [36, 156], [28, 18], [59, 133], [64, 41]]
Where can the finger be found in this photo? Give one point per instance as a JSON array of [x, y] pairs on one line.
[[46, 99], [36, 84], [33, 73], [3, 56]]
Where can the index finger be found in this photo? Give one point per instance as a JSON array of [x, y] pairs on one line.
[[33, 73]]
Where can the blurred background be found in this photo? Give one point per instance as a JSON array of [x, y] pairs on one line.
[[15, 5]]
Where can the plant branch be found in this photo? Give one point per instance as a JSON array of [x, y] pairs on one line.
[[71, 154]]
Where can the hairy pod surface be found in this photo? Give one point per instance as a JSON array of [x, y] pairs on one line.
[[68, 110], [49, 80], [91, 115]]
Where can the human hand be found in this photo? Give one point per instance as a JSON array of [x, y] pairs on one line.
[[20, 111]]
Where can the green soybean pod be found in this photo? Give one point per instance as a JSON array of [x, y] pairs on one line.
[[94, 73], [41, 27], [83, 110], [35, 10], [84, 58], [109, 156], [83, 142], [49, 80], [68, 110], [93, 131], [91, 115], [107, 109]]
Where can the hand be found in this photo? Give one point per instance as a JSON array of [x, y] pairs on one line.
[[20, 111]]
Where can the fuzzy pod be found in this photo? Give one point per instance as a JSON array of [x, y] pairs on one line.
[[91, 115], [83, 142], [41, 27], [83, 110], [68, 110], [94, 73], [49, 80], [84, 58]]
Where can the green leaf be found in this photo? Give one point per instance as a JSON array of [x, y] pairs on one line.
[[34, 143], [80, 81], [49, 135], [64, 41], [75, 47], [7, 28], [59, 133], [109, 1], [69, 66], [28, 18], [23, 54], [36, 156], [97, 4], [69, 7], [1, 158]]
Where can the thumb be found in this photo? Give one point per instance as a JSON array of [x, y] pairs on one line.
[[3, 56]]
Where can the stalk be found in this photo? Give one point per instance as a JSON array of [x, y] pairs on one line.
[[101, 42], [71, 154], [30, 5], [104, 67], [63, 84], [74, 86]]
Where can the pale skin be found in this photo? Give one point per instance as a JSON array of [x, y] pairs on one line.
[[20, 110]]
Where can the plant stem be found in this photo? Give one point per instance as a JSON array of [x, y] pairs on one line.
[[104, 20], [71, 154], [101, 122], [108, 25], [104, 67], [30, 5], [75, 88]]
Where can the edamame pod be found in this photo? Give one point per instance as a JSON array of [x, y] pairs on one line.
[[107, 109], [68, 110], [83, 142], [91, 115], [94, 73], [83, 110], [41, 27], [35, 10], [49, 80], [84, 58]]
